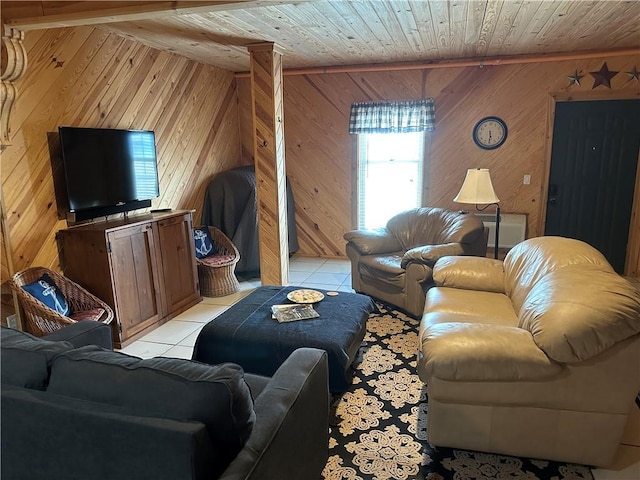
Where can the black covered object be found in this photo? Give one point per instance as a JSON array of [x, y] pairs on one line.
[[230, 205], [247, 335]]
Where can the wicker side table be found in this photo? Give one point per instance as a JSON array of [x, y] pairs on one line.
[[216, 272]]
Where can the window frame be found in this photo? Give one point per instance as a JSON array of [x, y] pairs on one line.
[[356, 169]]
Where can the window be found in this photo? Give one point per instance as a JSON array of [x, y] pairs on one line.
[[390, 157], [390, 175], [142, 150]]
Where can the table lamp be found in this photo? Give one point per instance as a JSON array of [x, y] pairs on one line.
[[478, 189]]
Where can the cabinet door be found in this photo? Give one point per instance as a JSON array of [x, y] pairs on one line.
[[132, 255], [180, 276]]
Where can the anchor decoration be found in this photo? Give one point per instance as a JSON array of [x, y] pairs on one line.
[[50, 290], [204, 248]]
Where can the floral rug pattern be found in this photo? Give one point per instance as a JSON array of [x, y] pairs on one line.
[[379, 426]]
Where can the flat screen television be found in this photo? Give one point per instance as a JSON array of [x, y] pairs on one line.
[[107, 170]]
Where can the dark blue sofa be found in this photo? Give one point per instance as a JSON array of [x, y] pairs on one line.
[[71, 411]]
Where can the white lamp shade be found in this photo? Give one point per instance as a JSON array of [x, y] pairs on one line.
[[477, 188]]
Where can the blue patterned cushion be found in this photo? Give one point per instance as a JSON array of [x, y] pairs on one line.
[[203, 241], [45, 290]]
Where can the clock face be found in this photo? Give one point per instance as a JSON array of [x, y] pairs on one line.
[[490, 133]]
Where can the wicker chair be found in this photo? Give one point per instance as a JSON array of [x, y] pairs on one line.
[[39, 319], [216, 272]]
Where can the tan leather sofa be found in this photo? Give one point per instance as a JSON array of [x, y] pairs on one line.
[[394, 264], [536, 356]]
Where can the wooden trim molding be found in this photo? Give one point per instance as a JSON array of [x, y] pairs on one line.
[[14, 64]]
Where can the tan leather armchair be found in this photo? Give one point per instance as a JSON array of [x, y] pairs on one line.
[[536, 356], [394, 264]]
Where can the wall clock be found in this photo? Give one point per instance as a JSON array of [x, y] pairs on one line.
[[490, 133]]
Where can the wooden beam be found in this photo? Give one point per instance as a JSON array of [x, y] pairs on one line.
[[95, 13], [479, 62], [268, 137]]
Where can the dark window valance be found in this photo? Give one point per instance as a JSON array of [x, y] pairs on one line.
[[392, 117]]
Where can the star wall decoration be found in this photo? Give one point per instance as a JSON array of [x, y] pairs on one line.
[[634, 74], [575, 78], [603, 76]]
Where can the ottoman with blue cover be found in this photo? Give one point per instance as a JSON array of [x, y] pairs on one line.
[[247, 335]]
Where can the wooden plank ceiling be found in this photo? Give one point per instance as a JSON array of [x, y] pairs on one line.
[[316, 33]]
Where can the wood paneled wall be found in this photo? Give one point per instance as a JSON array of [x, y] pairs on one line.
[[86, 77], [320, 153]]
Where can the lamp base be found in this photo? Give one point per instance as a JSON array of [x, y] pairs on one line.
[[495, 250]]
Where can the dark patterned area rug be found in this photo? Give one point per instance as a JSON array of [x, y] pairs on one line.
[[379, 430]]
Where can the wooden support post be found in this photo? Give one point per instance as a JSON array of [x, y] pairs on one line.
[[268, 127]]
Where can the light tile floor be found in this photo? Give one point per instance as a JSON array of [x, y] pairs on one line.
[[177, 337]]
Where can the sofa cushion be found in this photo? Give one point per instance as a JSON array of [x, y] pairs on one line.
[[470, 273], [26, 359], [176, 389], [488, 307], [472, 352], [83, 333], [218, 260], [383, 269], [580, 311], [57, 437], [529, 261], [430, 226], [93, 314]]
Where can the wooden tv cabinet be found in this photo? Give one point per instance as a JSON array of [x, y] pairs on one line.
[[143, 266]]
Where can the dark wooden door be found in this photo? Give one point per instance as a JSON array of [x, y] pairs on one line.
[[179, 273], [594, 159]]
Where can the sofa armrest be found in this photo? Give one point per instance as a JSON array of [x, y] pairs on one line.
[[290, 438], [430, 254], [369, 242], [470, 273], [475, 352], [86, 332]]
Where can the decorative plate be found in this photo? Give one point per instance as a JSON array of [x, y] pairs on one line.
[[305, 296]]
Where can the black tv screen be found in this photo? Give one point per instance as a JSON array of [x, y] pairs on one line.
[[108, 167]]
